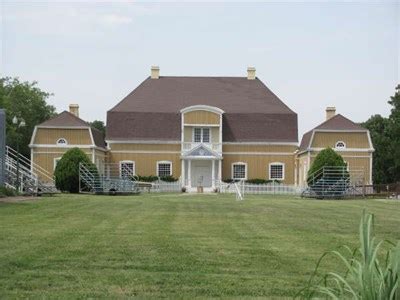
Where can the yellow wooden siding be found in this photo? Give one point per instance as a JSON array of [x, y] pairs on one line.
[[49, 136], [258, 165], [45, 159], [258, 148], [146, 164], [329, 139], [145, 147], [201, 117], [215, 135]]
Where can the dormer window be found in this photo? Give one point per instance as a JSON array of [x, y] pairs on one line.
[[62, 142], [340, 145], [201, 135]]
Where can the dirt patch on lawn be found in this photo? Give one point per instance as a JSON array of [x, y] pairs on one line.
[[17, 199]]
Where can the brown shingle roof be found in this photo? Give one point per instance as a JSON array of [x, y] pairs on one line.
[[252, 111], [67, 119], [337, 122], [98, 138]]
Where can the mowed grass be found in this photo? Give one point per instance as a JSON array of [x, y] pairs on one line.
[[173, 245]]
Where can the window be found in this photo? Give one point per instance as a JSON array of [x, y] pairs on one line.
[[62, 142], [340, 145], [56, 160], [126, 168], [276, 171], [164, 168], [239, 171], [201, 135]]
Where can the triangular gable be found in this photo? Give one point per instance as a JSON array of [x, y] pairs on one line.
[[202, 151]]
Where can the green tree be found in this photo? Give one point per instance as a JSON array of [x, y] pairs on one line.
[[99, 125], [394, 133], [385, 135], [382, 158], [67, 171], [326, 158], [27, 101]]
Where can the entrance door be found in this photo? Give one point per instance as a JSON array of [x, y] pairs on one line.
[[201, 175]]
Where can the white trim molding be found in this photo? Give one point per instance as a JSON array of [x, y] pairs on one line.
[[164, 162], [55, 162], [239, 163], [141, 142], [276, 164], [202, 107]]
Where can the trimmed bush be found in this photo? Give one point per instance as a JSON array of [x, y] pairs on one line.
[[261, 181], [326, 158], [67, 171], [153, 178], [7, 192]]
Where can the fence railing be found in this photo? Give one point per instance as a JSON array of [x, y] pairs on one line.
[[267, 188]]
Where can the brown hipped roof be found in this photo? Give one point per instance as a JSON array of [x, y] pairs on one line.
[[252, 111], [67, 119], [337, 122]]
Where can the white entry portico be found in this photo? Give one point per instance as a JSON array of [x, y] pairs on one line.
[[201, 151], [201, 167]]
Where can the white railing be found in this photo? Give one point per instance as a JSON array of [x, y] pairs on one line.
[[266, 189], [166, 187], [187, 146]]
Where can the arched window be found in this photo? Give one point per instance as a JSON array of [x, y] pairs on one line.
[[340, 145], [62, 142]]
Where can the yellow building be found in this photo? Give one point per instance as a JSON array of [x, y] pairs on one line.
[[201, 130], [350, 140]]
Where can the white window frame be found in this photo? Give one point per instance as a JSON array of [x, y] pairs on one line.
[[62, 144], [55, 162], [164, 162], [127, 161], [277, 164], [245, 170], [201, 135], [340, 148]]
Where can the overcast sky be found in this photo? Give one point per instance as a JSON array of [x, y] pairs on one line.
[[312, 55]]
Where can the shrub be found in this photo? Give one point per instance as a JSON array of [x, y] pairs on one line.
[[327, 157], [261, 181], [168, 179], [7, 192], [153, 178], [67, 171], [365, 276]]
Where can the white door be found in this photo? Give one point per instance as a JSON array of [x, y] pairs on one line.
[[201, 174]]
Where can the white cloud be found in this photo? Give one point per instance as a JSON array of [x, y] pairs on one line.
[[115, 19]]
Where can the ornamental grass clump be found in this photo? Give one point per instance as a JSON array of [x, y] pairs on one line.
[[370, 272]]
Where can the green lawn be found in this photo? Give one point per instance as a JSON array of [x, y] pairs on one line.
[[160, 245]]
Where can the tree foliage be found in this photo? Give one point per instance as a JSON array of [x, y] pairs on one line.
[[385, 135], [67, 171], [27, 101], [326, 158], [99, 125]]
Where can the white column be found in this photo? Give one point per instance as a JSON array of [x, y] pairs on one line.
[[190, 173], [183, 173], [213, 173], [220, 170]]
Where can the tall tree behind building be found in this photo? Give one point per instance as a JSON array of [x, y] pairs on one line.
[[385, 135], [27, 101]]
